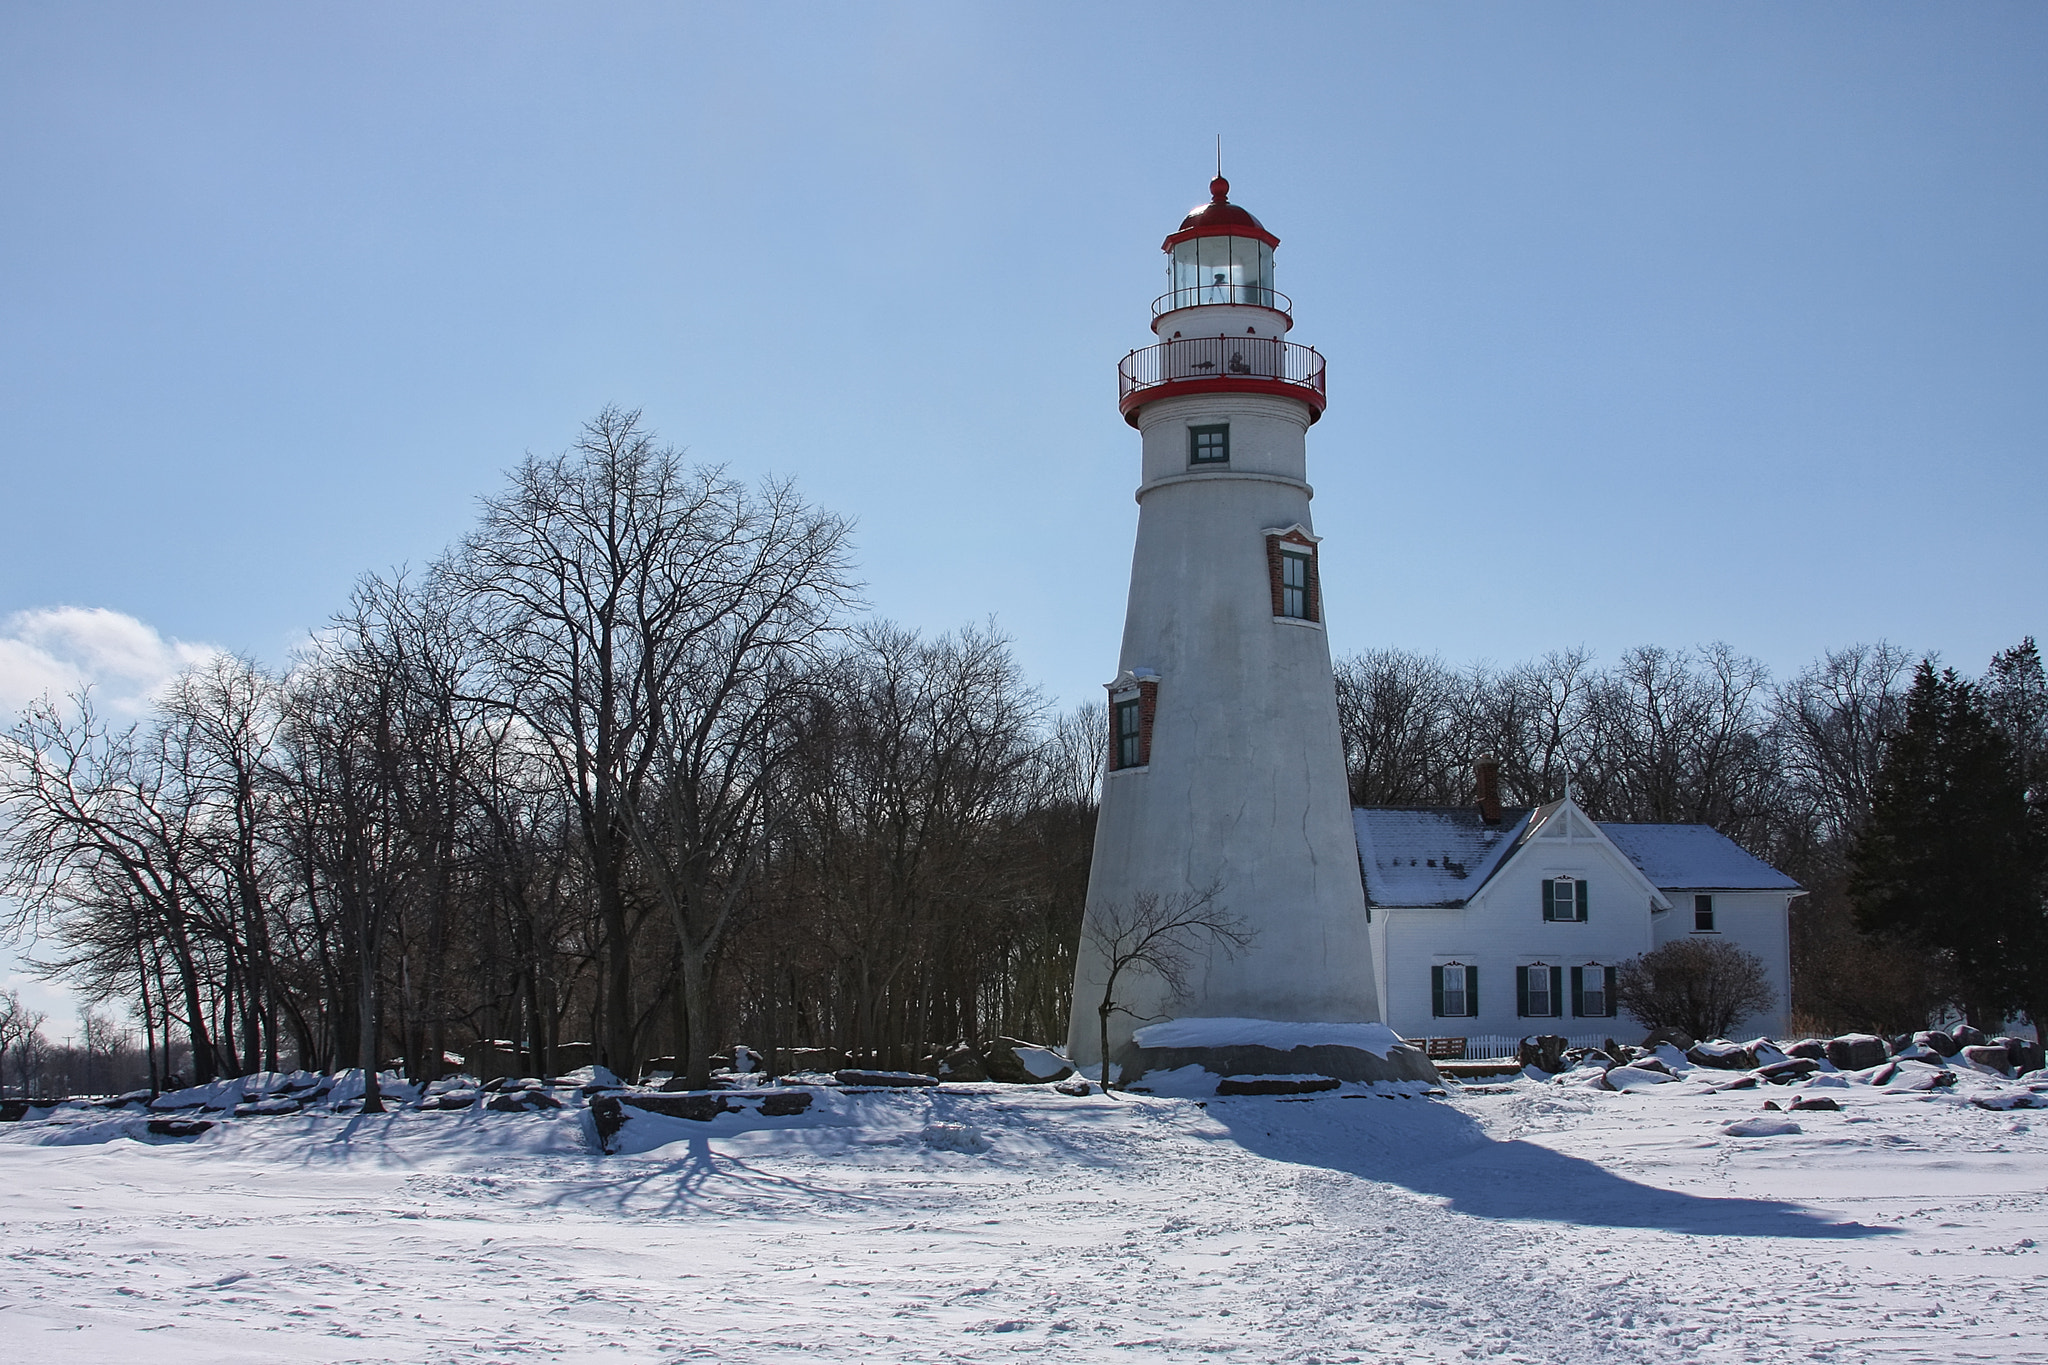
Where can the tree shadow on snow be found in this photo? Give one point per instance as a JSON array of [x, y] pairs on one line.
[[1435, 1149]]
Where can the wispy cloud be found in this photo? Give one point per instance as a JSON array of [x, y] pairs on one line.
[[59, 650]]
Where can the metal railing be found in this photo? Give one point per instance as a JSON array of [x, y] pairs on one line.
[[1196, 359], [1244, 295]]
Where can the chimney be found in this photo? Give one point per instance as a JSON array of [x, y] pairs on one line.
[[1486, 768]]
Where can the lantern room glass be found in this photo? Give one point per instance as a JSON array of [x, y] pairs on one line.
[[1222, 270]]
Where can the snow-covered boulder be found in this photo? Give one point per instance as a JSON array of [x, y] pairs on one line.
[[1856, 1051], [1266, 1047], [963, 1063], [1989, 1057], [1722, 1055], [1275, 1085], [1761, 1128], [1637, 1077], [1015, 1062]]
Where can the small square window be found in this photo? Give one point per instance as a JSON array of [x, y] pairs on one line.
[[1129, 735], [1703, 914], [1209, 445]]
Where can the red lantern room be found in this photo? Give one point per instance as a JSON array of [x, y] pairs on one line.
[[1221, 323]]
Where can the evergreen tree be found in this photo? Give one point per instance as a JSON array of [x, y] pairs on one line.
[[1949, 860]]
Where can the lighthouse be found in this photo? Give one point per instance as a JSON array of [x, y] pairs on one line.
[[1226, 767]]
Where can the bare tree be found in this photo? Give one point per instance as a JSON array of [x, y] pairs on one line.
[[18, 1026], [1159, 936]]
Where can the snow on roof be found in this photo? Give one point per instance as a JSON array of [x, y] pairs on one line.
[[1428, 856], [1694, 858]]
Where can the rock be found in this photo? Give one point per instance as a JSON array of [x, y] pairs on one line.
[[1677, 1038], [1543, 1051], [1885, 1074], [522, 1101], [1248, 1059], [1076, 1086], [2026, 1055], [962, 1064], [1936, 1041], [1637, 1076], [1969, 1036], [1015, 1062], [1789, 1070], [884, 1078], [1811, 1049], [781, 1104], [1856, 1051], [1940, 1080], [178, 1128], [700, 1106], [1275, 1085], [1722, 1055], [1989, 1055], [1760, 1128], [451, 1100], [813, 1059], [1653, 1064], [1771, 1105], [1739, 1083], [1814, 1102]]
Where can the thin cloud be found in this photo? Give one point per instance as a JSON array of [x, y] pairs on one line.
[[56, 651]]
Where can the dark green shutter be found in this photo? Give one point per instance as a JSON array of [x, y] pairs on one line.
[[1549, 898], [1557, 992], [1471, 992], [1610, 993], [1522, 992], [1578, 992], [1436, 991], [1580, 888]]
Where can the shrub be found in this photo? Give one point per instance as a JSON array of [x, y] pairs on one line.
[[1699, 985]]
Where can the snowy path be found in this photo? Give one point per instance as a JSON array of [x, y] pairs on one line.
[[1535, 1224]]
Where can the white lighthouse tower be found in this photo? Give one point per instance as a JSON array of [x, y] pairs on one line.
[[1226, 767]]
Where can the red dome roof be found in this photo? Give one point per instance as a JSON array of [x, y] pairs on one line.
[[1219, 218]]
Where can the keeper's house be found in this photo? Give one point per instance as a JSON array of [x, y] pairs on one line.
[[1508, 922]]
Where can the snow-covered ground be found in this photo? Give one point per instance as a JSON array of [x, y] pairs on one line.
[[1519, 1221]]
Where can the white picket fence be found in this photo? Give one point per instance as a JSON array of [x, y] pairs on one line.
[[1484, 1047]]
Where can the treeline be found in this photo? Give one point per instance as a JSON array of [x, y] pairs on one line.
[[628, 768], [623, 767], [1795, 770]]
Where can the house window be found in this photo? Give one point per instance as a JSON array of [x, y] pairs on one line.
[[1209, 445], [1703, 914], [1565, 898], [1130, 751], [1294, 584], [1537, 990], [1454, 991], [1593, 991]]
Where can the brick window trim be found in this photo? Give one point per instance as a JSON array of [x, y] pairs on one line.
[[1294, 539], [1147, 692]]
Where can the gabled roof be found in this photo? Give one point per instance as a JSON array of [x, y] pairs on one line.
[[1437, 857], [1695, 858], [1431, 855]]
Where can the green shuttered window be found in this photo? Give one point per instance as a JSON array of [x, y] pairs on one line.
[[1454, 991], [1565, 898], [1538, 991]]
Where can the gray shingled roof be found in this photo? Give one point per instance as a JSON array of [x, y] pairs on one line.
[[1694, 858], [1429, 856]]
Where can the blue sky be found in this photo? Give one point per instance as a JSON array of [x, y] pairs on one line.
[[1644, 323]]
